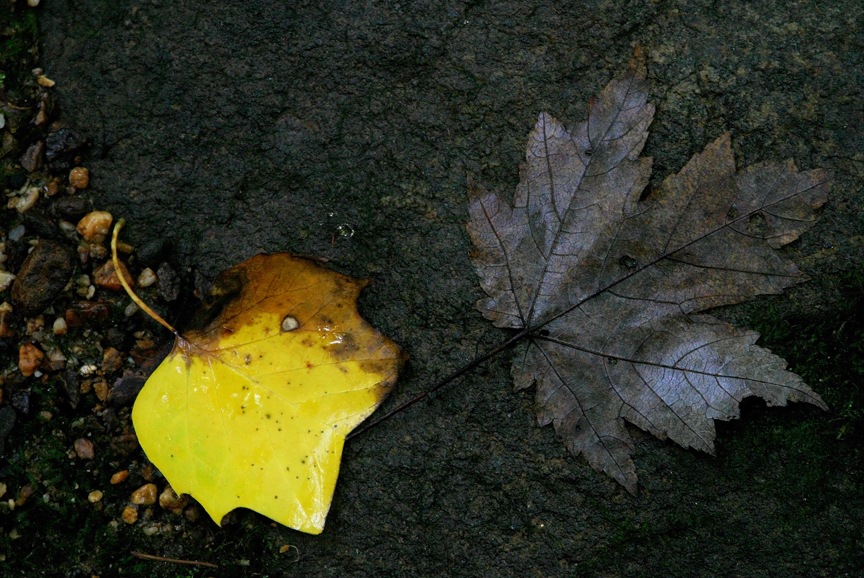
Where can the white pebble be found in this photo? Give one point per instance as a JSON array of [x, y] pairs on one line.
[[83, 281], [2, 121], [150, 530], [33, 3], [29, 199], [88, 370], [60, 327], [131, 310], [6, 279], [146, 278]]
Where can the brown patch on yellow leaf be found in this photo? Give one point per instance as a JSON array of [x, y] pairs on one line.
[[252, 406]]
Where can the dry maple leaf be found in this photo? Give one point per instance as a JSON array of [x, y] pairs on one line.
[[609, 287], [252, 406]]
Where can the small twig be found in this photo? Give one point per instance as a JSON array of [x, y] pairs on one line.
[[172, 560]]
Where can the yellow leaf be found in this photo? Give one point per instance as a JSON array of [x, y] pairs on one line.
[[252, 406]]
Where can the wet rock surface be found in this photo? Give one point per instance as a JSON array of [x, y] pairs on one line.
[[42, 276], [267, 126]]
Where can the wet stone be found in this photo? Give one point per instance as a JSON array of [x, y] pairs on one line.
[[21, 401], [84, 449], [130, 515], [111, 360], [72, 208], [107, 278], [145, 495], [119, 477], [33, 159], [152, 253], [29, 359], [87, 311], [169, 500], [61, 146], [79, 177], [168, 284], [100, 388], [42, 277], [95, 226]]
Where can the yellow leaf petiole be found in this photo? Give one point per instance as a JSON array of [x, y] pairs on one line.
[[126, 286]]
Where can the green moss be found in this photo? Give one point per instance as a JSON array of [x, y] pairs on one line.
[[18, 34]]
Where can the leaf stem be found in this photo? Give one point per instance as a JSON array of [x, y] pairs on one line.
[[126, 286], [455, 375]]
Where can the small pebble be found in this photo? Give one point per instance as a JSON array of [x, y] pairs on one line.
[[145, 495], [33, 3], [84, 449], [106, 277], [131, 310], [119, 477], [79, 177], [53, 187], [169, 500], [168, 287], [98, 252], [69, 230], [29, 359], [33, 158], [111, 360], [26, 201], [72, 208], [41, 277], [101, 390], [130, 515], [6, 279], [95, 226], [24, 494], [45, 415], [146, 278], [60, 327], [17, 233], [95, 496], [150, 529], [43, 80]]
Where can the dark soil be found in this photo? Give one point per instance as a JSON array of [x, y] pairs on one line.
[[233, 128]]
